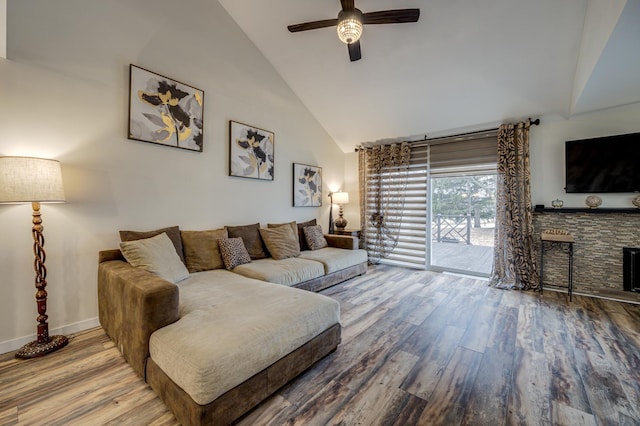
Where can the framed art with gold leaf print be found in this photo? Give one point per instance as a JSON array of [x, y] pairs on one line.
[[164, 111], [251, 152], [307, 185]]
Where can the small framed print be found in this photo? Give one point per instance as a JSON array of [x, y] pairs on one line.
[[307, 185], [164, 111], [251, 152]]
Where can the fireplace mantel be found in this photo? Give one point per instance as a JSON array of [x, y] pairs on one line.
[[599, 210]]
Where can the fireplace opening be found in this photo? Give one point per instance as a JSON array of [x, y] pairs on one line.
[[631, 269]]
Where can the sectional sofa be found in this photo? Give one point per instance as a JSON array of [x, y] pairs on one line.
[[214, 341]]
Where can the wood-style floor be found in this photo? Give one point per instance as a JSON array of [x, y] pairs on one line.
[[418, 348]]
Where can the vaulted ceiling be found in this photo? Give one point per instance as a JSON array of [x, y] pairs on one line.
[[465, 65]]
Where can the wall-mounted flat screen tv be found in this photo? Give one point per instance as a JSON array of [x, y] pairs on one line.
[[608, 164]]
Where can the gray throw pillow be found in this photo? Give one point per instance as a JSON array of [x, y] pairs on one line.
[[250, 235]]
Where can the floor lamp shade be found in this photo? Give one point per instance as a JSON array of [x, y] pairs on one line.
[[26, 179], [34, 180]]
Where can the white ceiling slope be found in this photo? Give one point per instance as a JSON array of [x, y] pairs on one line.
[[465, 65]]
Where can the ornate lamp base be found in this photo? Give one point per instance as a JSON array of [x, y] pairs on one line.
[[340, 222], [35, 349]]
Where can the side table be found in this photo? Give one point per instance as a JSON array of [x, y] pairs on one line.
[[563, 240], [351, 232]]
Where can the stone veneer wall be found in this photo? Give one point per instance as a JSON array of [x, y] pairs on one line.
[[597, 251]]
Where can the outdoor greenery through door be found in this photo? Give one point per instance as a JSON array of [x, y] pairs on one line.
[[463, 209]]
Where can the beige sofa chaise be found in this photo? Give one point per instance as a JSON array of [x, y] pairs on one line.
[[216, 344]]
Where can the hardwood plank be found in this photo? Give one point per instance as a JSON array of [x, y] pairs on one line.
[[564, 415], [446, 404], [606, 395], [374, 397], [9, 416], [529, 402], [566, 385], [503, 335], [436, 347], [487, 403], [479, 331]]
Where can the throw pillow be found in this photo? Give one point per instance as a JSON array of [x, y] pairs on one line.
[[173, 232], [301, 238], [201, 250], [292, 225], [156, 255], [281, 242], [315, 237], [233, 252], [250, 235]]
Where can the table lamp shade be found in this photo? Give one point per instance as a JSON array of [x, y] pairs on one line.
[[27, 179], [340, 198]]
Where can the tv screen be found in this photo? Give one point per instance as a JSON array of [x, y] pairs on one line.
[[609, 164]]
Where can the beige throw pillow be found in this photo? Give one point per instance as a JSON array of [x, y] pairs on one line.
[[233, 252], [156, 255], [201, 250], [281, 241], [173, 232], [315, 237]]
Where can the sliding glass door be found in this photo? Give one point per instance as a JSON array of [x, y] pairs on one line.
[[447, 218], [462, 217]]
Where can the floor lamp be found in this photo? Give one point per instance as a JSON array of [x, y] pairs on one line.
[[35, 181]]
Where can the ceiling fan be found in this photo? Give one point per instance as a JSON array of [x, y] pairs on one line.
[[350, 21]]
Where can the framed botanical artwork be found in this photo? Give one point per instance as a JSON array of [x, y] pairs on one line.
[[164, 111], [307, 185], [251, 151]]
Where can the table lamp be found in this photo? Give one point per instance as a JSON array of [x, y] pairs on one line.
[[34, 180], [340, 198]]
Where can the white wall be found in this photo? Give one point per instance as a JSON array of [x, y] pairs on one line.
[[64, 95], [3, 29], [547, 157], [547, 152]]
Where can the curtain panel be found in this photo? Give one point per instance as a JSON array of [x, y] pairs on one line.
[[514, 264], [383, 172]]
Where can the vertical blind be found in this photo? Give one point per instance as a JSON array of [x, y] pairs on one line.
[[444, 156]]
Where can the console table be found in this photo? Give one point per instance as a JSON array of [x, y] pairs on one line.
[[564, 242]]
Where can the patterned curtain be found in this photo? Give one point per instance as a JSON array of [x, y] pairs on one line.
[[514, 262], [383, 173]]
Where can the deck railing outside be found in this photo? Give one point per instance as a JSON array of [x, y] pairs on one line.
[[451, 229]]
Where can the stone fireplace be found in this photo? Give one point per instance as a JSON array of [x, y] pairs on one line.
[[631, 269], [600, 237]]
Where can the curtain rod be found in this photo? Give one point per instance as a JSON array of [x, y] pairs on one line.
[[535, 122]]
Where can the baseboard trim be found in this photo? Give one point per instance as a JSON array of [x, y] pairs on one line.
[[595, 296], [15, 344]]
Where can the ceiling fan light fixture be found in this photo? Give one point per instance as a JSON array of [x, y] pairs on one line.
[[349, 27]]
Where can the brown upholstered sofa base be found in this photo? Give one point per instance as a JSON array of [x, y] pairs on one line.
[[333, 278], [247, 395]]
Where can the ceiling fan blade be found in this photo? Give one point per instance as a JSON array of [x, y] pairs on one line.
[[398, 16], [348, 4], [354, 51], [313, 25]]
